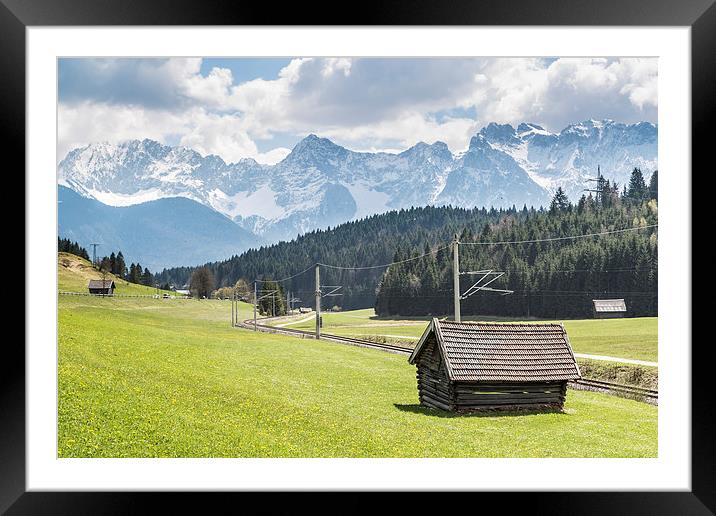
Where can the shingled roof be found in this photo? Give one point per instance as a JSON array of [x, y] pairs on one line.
[[505, 352], [98, 283], [609, 305]]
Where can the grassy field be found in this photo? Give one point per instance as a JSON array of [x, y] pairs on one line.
[[624, 338], [143, 377], [170, 378], [74, 273]]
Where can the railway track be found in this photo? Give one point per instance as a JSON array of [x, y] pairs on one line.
[[249, 324], [617, 389]]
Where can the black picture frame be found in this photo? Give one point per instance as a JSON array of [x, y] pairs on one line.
[[16, 15]]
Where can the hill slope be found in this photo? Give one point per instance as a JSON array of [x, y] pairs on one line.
[[74, 273], [162, 233]]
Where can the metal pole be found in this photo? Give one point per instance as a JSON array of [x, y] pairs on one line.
[[288, 301], [318, 302], [528, 304], [233, 320], [255, 301], [456, 278]]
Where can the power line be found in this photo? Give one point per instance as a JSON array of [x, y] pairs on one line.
[[574, 237], [286, 279], [547, 271], [385, 264], [503, 242]]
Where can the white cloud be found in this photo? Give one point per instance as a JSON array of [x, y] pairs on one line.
[[88, 122], [273, 156], [567, 91], [223, 135], [332, 65], [363, 103], [205, 132], [405, 131]]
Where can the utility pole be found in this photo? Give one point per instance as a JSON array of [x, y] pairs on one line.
[[94, 253], [456, 278], [318, 302], [598, 188], [288, 301], [255, 301], [528, 304]]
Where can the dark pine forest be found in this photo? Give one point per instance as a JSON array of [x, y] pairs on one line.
[[556, 278]]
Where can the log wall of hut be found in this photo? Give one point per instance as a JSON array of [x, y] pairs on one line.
[[437, 391], [434, 387], [475, 396]]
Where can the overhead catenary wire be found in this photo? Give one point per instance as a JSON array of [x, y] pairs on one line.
[[385, 264], [285, 279], [552, 239], [502, 242]]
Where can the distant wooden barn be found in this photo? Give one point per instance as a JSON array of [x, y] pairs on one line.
[[609, 308], [101, 287], [473, 366]]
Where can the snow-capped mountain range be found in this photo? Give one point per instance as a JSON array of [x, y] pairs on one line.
[[322, 184]]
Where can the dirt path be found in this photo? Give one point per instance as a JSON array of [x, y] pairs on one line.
[[310, 317], [617, 359]]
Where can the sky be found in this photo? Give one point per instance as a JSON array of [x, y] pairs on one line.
[[261, 107]]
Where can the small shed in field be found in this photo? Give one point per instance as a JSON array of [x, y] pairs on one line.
[[101, 287], [473, 365], [609, 308]]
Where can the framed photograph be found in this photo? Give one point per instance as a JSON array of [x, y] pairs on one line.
[[420, 252]]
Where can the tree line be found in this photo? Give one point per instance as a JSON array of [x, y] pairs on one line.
[[556, 279], [114, 263], [65, 245]]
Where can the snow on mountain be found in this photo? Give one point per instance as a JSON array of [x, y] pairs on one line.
[[570, 157], [322, 184], [486, 176]]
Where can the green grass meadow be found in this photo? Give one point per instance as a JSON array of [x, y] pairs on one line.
[[171, 378]]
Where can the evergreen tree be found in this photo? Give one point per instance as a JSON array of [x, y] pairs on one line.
[[653, 185], [65, 245], [121, 266], [637, 190], [105, 264], [134, 273], [560, 202], [272, 303]]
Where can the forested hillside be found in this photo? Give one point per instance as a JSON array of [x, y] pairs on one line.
[[554, 278], [368, 242], [549, 279]]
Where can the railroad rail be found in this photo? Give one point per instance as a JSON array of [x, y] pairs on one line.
[[249, 324], [617, 389]]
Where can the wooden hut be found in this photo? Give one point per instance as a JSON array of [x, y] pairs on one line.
[[609, 308], [101, 287], [474, 366]]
